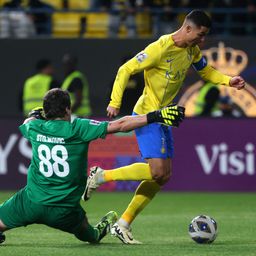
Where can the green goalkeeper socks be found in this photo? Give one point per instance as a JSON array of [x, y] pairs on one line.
[[90, 234]]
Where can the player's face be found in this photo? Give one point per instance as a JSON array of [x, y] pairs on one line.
[[196, 35]]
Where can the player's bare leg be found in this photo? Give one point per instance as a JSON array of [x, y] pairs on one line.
[[161, 171]]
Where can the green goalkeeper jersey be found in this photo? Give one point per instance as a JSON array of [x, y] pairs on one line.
[[58, 170]]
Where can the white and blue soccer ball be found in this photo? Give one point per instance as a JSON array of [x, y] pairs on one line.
[[203, 229]]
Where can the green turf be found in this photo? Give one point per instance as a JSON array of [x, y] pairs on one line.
[[162, 227]]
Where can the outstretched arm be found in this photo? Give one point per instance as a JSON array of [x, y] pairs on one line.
[[208, 73], [35, 113], [28, 120], [171, 115], [143, 60], [127, 123]]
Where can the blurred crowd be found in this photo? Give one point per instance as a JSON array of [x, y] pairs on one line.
[[33, 19], [28, 18], [229, 16]]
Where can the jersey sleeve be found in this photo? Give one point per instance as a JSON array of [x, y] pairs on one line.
[[145, 59], [207, 72], [91, 129], [24, 129]]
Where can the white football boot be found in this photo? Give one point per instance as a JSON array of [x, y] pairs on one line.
[[92, 182], [124, 234]]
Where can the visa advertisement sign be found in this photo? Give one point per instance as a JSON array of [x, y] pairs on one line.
[[215, 155]]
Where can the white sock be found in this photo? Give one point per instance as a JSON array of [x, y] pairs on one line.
[[123, 223], [100, 178]]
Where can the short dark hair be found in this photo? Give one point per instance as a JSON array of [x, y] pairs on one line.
[[199, 18], [55, 103], [42, 64]]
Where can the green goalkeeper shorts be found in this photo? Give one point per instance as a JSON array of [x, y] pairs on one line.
[[19, 211]]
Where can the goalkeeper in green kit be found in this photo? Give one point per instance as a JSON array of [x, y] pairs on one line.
[[57, 173]]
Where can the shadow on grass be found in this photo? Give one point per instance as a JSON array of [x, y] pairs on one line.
[[107, 245], [66, 246], [100, 245]]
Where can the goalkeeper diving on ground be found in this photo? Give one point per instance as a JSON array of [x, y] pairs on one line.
[[58, 170]]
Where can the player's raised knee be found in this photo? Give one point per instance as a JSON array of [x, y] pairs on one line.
[[2, 227], [161, 178], [161, 174]]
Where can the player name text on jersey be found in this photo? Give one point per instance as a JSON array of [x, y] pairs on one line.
[[43, 138]]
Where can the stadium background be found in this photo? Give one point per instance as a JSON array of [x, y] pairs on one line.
[[211, 154], [214, 158]]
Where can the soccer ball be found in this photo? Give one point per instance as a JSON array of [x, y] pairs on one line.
[[203, 229]]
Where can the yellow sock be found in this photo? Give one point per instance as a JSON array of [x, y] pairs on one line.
[[143, 195], [137, 171]]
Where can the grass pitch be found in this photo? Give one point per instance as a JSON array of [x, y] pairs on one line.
[[162, 227]]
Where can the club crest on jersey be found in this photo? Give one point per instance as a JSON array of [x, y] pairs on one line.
[[141, 57], [169, 60], [95, 122]]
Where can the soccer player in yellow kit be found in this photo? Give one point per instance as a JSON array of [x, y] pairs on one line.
[[165, 63]]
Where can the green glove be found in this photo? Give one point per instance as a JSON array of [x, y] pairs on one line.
[[38, 113], [171, 115]]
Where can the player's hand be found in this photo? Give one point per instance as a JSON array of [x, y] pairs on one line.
[[112, 112], [38, 113], [171, 115], [237, 82]]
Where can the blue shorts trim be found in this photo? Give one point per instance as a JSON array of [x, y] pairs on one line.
[[155, 141]]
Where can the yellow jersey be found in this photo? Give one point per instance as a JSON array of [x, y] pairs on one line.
[[165, 66]]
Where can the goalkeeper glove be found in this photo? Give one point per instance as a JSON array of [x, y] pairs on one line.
[[171, 115], [38, 113]]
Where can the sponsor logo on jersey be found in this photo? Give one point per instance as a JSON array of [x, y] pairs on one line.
[[95, 122], [169, 60], [141, 57]]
